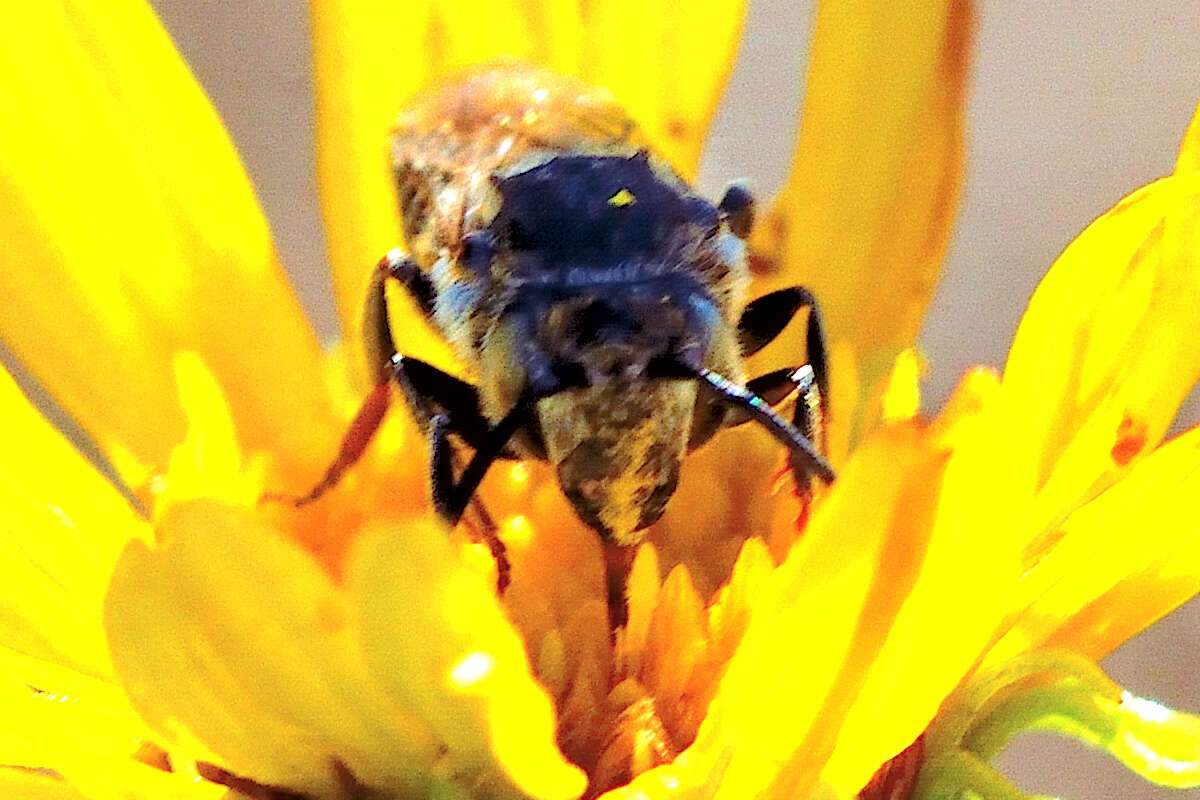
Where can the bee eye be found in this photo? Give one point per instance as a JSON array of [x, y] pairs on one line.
[[737, 206], [478, 247]]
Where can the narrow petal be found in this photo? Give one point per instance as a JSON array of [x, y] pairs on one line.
[[1120, 562], [62, 527], [761, 734], [865, 216], [35, 786], [959, 597], [1107, 350], [667, 63], [131, 231], [1189, 151]]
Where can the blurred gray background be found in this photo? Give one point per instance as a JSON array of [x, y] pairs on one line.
[[1072, 105]]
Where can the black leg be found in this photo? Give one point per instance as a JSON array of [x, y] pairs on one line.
[[451, 497], [809, 415], [766, 317], [431, 392], [450, 503], [441, 468], [774, 387], [818, 358], [809, 419]]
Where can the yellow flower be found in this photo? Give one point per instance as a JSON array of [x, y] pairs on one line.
[[953, 587]]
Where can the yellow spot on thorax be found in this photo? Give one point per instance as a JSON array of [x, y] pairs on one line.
[[622, 198]]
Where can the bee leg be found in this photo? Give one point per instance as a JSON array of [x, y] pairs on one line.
[[763, 320], [380, 348], [777, 386], [378, 342], [354, 443], [774, 387], [767, 316], [450, 496], [441, 469], [438, 400], [808, 418], [430, 392], [441, 479]]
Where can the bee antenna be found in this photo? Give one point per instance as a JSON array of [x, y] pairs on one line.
[[803, 454]]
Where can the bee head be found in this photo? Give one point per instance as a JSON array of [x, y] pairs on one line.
[[607, 266]]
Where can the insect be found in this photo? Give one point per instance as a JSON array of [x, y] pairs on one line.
[[595, 300]]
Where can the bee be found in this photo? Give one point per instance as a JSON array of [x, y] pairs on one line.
[[596, 302]]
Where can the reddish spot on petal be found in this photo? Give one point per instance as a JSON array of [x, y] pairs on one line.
[[897, 778], [1131, 439], [152, 755], [677, 128], [805, 513], [762, 265]]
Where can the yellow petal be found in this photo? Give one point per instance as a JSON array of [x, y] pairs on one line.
[[667, 63], [35, 786], [676, 648], [866, 214], [208, 462], [902, 398], [816, 629], [61, 529], [1107, 349], [959, 597], [84, 730], [730, 611], [641, 591], [437, 639], [704, 529], [1121, 562], [131, 231], [264, 670], [1189, 151]]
